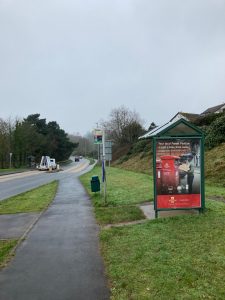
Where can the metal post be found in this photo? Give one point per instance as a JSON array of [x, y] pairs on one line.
[[98, 153], [10, 160], [103, 158]]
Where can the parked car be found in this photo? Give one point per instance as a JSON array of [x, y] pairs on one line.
[[77, 158]]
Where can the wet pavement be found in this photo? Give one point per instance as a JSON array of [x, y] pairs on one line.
[[60, 257], [13, 226], [149, 212]]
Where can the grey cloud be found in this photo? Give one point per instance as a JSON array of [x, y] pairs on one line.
[[76, 60]]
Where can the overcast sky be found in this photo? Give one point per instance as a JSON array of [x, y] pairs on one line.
[[73, 61]]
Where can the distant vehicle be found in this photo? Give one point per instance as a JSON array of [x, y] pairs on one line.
[[77, 158], [80, 156], [47, 163]]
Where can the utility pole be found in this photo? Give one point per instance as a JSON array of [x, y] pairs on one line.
[[99, 138], [103, 164], [98, 145]]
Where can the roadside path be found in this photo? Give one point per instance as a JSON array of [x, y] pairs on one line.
[[60, 258]]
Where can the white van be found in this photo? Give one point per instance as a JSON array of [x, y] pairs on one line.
[[47, 163]]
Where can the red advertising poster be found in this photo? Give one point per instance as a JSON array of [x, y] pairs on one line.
[[178, 173]]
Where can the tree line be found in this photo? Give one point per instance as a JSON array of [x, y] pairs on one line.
[[123, 127], [23, 142]]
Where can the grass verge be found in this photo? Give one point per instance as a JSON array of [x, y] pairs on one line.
[[125, 190], [91, 160], [123, 187], [5, 248], [214, 189], [175, 258], [65, 162], [113, 215], [31, 201], [11, 170]]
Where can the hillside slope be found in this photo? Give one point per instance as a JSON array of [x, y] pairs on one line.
[[214, 163], [137, 163]]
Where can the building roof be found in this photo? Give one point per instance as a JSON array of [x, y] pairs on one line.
[[155, 131], [188, 116], [213, 109]]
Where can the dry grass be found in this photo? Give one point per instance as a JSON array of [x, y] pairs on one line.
[[139, 163], [215, 164]]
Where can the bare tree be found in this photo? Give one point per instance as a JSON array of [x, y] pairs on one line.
[[85, 144], [124, 126]]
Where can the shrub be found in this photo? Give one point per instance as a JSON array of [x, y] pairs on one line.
[[208, 119], [141, 146], [215, 134]]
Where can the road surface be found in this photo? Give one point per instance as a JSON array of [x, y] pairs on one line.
[[13, 184]]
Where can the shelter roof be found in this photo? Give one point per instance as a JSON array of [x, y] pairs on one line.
[[174, 128]]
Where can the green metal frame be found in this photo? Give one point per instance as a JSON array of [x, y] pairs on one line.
[[175, 124], [200, 136]]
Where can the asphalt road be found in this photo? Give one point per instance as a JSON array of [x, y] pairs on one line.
[[14, 184]]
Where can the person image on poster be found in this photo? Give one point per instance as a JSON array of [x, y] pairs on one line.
[[190, 173], [183, 171]]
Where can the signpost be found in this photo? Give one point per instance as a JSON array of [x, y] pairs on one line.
[[98, 136], [99, 139], [108, 151], [103, 166]]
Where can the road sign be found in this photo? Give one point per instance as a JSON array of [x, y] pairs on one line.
[[108, 150], [98, 134]]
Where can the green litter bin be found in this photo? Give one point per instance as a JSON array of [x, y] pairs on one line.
[[95, 184]]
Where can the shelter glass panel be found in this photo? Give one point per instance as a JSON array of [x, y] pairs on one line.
[[181, 129]]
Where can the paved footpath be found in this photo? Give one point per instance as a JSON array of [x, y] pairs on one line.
[[60, 259]]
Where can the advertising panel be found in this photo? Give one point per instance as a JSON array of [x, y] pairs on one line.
[[98, 134], [178, 173]]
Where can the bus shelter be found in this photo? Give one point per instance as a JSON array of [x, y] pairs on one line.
[[178, 163]]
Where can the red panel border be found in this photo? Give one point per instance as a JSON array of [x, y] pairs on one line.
[[178, 201]]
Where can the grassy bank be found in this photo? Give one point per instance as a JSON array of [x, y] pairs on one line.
[[125, 190], [31, 201], [123, 187], [91, 160], [140, 160], [5, 247], [175, 258], [215, 165], [214, 190], [12, 170]]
